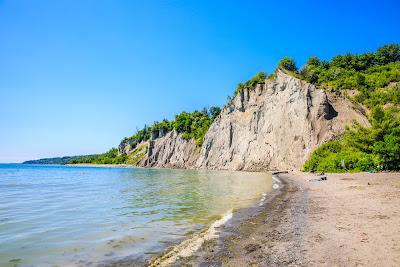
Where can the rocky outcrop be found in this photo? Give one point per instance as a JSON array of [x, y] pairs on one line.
[[273, 126], [170, 151], [166, 150], [125, 147]]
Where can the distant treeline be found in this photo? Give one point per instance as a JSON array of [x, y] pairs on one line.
[[58, 160]]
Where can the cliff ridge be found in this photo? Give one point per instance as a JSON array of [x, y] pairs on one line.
[[275, 125]]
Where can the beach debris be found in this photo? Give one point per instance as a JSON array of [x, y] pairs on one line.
[[251, 248], [322, 177], [364, 237]]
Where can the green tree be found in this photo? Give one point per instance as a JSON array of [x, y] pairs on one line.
[[214, 112], [314, 61], [388, 53], [288, 63]]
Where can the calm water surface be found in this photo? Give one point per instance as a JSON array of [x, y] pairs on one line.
[[85, 215]]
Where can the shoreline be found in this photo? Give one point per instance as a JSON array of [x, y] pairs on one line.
[[188, 248], [247, 233], [351, 219], [103, 165]]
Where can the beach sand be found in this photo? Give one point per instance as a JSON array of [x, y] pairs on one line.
[[353, 220], [348, 220]]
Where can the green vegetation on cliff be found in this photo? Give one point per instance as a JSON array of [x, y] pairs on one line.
[[370, 79], [110, 157], [373, 80], [259, 78], [192, 125], [362, 149]]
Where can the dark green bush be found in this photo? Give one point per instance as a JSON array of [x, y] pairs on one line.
[[288, 63], [259, 78]]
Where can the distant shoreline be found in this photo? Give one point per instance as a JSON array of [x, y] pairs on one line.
[[103, 165]]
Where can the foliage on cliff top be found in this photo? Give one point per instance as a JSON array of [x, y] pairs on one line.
[[259, 78], [365, 72], [192, 124], [195, 125], [288, 63], [374, 77]]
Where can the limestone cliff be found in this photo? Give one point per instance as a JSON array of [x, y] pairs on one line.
[[274, 126]]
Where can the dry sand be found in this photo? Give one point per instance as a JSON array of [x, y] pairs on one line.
[[348, 220], [353, 220]]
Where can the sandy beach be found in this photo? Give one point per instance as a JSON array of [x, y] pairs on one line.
[[348, 220], [352, 220]]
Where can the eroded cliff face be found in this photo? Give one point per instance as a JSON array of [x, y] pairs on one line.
[[170, 151], [275, 126]]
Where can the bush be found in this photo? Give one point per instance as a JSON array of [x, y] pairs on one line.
[[388, 53], [259, 78], [288, 63], [362, 149]]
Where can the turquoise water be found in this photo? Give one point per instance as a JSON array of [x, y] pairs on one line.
[[72, 216]]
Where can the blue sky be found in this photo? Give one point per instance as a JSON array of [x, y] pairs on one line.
[[78, 76]]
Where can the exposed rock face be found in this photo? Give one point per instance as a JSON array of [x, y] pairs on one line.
[[125, 147], [170, 151], [158, 134], [275, 126]]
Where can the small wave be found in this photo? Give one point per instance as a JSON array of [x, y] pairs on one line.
[[187, 247], [275, 178]]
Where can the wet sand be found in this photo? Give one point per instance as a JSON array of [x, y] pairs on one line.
[[348, 220]]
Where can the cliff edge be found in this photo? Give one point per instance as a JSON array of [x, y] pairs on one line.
[[276, 125]]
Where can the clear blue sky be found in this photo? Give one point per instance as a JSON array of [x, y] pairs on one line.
[[78, 76]]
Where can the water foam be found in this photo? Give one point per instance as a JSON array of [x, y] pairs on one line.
[[187, 247]]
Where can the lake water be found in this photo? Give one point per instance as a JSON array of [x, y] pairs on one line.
[[73, 216]]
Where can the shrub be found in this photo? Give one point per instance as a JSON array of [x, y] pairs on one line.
[[288, 63], [259, 78]]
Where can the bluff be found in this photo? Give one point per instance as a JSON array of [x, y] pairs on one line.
[[275, 125]]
